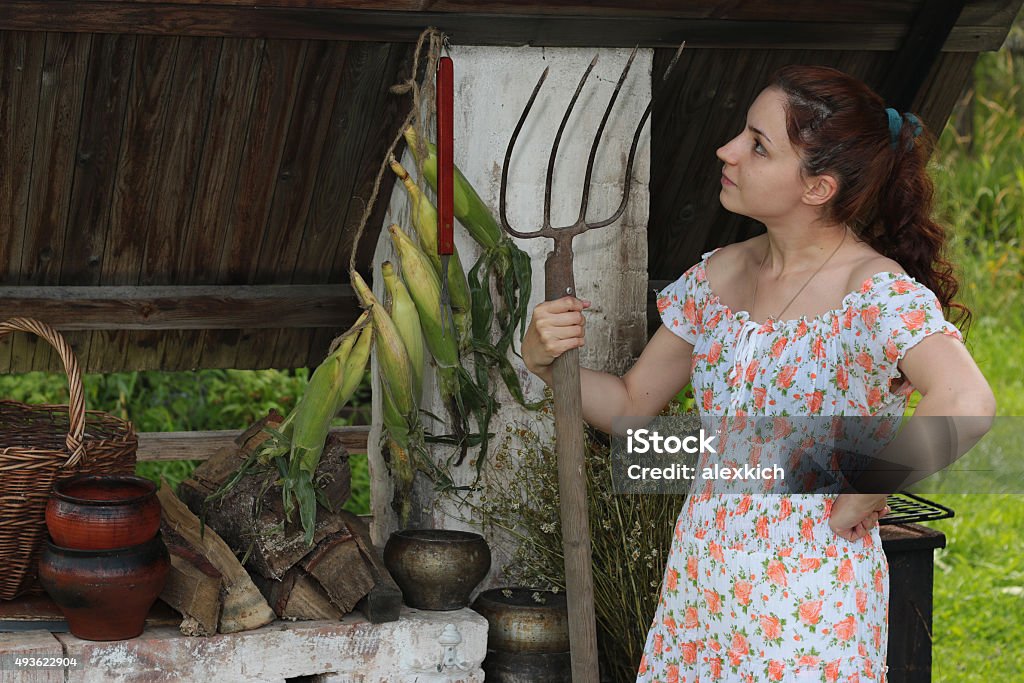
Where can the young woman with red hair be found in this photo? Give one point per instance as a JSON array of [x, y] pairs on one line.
[[838, 309]]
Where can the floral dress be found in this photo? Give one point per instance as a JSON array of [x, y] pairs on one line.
[[758, 587]]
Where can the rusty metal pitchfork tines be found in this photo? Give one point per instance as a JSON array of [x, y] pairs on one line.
[[563, 236]]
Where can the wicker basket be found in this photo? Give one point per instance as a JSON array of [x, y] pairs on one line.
[[40, 445]]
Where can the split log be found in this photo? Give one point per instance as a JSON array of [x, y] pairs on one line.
[[339, 568], [297, 596], [384, 601], [250, 517], [243, 607], [193, 588]]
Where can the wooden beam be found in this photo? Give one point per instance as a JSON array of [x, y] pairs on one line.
[[183, 307], [163, 446], [577, 27], [912, 62]]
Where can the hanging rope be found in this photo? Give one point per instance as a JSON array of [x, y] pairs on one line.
[[434, 39]]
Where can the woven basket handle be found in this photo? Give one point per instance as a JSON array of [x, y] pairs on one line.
[[76, 401]]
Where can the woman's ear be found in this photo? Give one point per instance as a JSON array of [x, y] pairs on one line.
[[819, 190]]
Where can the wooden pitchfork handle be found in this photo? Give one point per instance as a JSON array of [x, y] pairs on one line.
[[572, 480]]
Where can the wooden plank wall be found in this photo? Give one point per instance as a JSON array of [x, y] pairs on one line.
[[703, 105], [176, 160]]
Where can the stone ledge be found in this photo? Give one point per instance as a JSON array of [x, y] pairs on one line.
[[29, 644], [423, 646]]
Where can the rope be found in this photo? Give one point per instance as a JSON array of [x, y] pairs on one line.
[[436, 41]]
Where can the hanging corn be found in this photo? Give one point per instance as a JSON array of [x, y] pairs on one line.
[[401, 408], [424, 220], [403, 311], [511, 266]]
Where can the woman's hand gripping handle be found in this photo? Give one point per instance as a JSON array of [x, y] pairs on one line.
[[556, 327]]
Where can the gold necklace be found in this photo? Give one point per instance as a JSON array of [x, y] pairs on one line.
[[753, 302]]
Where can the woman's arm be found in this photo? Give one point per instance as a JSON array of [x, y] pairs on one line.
[[956, 401], [662, 370]]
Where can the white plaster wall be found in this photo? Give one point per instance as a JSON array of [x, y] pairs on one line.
[[492, 85]]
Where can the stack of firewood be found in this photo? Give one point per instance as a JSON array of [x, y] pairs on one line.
[[282, 576]]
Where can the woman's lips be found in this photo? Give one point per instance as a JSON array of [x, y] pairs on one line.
[[727, 182]]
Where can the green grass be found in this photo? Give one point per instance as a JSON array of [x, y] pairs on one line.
[[979, 590], [979, 577]]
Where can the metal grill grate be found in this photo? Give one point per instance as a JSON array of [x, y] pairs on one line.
[[907, 508]]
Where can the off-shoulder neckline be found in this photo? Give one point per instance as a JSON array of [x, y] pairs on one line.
[[825, 317]]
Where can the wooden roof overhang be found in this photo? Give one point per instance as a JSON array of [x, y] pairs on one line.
[[180, 182]]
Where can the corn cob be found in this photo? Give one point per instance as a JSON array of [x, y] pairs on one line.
[[401, 410], [469, 208], [425, 290], [318, 405], [424, 220], [305, 429], [355, 366], [396, 371], [511, 265], [403, 311]]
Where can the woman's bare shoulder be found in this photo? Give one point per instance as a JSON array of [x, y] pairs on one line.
[[734, 258], [870, 264]]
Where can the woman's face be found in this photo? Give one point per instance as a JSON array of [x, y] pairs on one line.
[[761, 177]]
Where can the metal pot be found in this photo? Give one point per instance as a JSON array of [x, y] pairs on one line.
[[525, 620], [527, 667], [437, 569]]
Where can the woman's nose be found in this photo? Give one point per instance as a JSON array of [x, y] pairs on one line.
[[727, 152]]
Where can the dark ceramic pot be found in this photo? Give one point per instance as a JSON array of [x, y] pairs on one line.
[[102, 512], [524, 620], [437, 569], [105, 594], [527, 667]]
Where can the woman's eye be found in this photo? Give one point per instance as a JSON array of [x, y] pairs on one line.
[[759, 149]]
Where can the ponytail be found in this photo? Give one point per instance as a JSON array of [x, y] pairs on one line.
[[904, 230]]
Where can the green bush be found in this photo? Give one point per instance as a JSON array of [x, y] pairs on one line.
[[188, 401], [979, 577]]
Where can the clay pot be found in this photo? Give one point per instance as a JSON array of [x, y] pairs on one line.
[[105, 594], [102, 512], [437, 569], [525, 620]]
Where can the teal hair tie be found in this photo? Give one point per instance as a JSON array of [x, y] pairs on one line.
[[896, 124]]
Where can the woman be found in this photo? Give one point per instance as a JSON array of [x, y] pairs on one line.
[[836, 310]]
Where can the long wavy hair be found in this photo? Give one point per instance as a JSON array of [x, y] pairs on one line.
[[841, 128]]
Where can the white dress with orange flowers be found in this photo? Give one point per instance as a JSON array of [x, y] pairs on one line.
[[758, 587]]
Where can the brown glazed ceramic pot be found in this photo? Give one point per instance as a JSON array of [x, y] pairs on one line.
[[105, 594], [102, 512], [437, 569]]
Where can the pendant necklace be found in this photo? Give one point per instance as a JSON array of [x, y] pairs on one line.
[[753, 301]]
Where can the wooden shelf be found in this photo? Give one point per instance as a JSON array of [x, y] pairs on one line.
[[162, 446]]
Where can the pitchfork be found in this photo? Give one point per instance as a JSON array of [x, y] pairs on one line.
[[559, 282]]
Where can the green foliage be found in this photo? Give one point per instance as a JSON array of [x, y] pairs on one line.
[[979, 590], [188, 401], [979, 576]]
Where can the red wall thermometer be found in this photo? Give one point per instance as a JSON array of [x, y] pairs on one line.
[[445, 146]]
